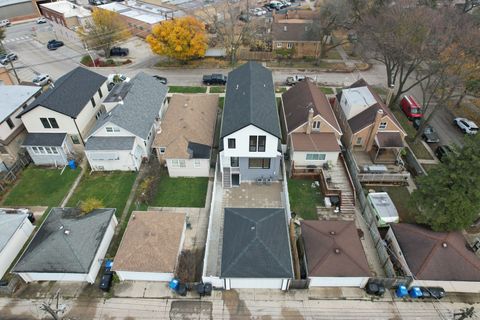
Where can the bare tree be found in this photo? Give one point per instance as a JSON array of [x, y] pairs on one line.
[[232, 24]]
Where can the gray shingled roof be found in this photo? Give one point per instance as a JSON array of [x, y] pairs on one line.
[[53, 250], [13, 97], [255, 244], [71, 92], [9, 224], [250, 99], [109, 143], [44, 139], [140, 106], [199, 151]]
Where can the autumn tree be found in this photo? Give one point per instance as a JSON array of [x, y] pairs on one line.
[[182, 39], [448, 198], [104, 30], [90, 204], [231, 23], [2, 37]]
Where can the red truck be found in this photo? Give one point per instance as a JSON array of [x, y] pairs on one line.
[[411, 107]]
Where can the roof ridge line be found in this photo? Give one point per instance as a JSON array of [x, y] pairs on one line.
[[273, 255]]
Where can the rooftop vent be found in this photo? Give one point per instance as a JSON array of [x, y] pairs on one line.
[[285, 28], [332, 233], [444, 245], [337, 251], [252, 228], [67, 232]]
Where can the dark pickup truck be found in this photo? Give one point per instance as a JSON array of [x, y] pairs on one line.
[[120, 52], [214, 79]]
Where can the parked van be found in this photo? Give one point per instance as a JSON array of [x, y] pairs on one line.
[[411, 107], [4, 23]]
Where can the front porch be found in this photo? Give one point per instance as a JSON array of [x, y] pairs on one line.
[[262, 171], [50, 149]]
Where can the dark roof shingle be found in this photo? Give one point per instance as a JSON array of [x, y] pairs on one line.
[[44, 139], [250, 99], [255, 244], [71, 92], [294, 31], [109, 143]]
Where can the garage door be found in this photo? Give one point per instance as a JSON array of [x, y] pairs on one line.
[[338, 282], [239, 283]]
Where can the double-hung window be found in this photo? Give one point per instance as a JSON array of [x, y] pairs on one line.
[[315, 156], [49, 123]]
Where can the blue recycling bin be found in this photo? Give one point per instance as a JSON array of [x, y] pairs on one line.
[[72, 164], [401, 291], [174, 284], [415, 292]]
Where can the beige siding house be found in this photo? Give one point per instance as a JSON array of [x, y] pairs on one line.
[[185, 137]]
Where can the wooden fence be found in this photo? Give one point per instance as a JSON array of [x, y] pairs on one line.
[[9, 176]]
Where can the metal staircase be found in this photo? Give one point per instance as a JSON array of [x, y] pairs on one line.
[[227, 178]]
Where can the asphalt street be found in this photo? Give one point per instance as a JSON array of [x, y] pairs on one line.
[[35, 58]]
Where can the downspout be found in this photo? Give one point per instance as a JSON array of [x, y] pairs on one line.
[[78, 130]]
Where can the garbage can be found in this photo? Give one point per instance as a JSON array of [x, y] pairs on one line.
[[72, 164], [401, 291]]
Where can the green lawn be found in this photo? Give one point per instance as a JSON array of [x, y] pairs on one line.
[[327, 90], [221, 101], [185, 89], [429, 167], [406, 124], [304, 199], [419, 150], [217, 89], [400, 196], [181, 192], [112, 188], [41, 187]]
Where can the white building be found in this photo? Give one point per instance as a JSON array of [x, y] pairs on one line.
[[16, 229], [123, 135], [69, 246], [150, 246], [185, 137]]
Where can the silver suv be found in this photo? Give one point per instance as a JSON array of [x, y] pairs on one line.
[[467, 126]]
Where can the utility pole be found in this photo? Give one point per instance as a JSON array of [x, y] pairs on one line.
[[465, 313], [14, 71], [53, 312]]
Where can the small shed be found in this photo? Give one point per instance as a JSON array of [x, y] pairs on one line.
[[15, 229], [150, 246], [383, 207]]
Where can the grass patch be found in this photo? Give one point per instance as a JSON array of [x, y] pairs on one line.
[[181, 192], [112, 188], [327, 90], [304, 199], [333, 54], [41, 187], [186, 89], [400, 196], [221, 101], [381, 91], [429, 167], [281, 89], [419, 149], [404, 122], [217, 89]]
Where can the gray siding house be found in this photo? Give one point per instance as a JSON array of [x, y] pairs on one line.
[[250, 140]]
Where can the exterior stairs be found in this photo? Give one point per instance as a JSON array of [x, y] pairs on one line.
[[340, 179], [227, 178]]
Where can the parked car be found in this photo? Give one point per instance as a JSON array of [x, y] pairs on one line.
[[432, 292], [215, 78], [267, 7], [95, 2], [443, 151], [411, 107], [290, 81], [120, 52], [54, 44], [467, 126], [41, 80], [161, 79], [4, 23], [117, 78], [7, 57], [41, 20], [430, 135]]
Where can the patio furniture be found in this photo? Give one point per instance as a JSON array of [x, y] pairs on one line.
[[260, 180], [268, 181]]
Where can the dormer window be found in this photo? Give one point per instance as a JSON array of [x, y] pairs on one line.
[[383, 125], [112, 129], [316, 125]]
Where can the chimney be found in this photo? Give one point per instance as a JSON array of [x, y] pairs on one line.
[[285, 28], [310, 121], [373, 132]]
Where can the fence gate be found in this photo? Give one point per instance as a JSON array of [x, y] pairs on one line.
[[299, 284]]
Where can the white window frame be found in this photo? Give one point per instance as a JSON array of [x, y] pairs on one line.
[[112, 129], [196, 163], [289, 45], [279, 45], [383, 125], [35, 150], [316, 125], [315, 156], [48, 150], [178, 163], [359, 141], [162, 150], [41, 150]]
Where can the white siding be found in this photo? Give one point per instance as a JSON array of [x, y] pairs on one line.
[[86, 118], [299, 158], [5, 130], [190, 170], [32, 122], [450, 286], [255, 283], [358, 282], [102, 250], [64, 277], [144, 276], [14, 245], [102, 132]]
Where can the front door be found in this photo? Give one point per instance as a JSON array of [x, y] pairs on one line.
[[235, 179]]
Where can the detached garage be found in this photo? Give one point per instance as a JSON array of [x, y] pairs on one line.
[[15, 231], [150, 246], [334, 254], [69, 246], [256, 249]]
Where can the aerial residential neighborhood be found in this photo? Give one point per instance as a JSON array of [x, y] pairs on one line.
[[237, 159]]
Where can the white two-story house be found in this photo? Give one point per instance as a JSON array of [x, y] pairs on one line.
[[123, 135], [250, 139], [59, 120], [13, 99]]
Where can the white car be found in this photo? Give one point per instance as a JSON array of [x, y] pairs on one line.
[[41, 20], [117, 78], [41, 80], [259, 12], [467, 126]]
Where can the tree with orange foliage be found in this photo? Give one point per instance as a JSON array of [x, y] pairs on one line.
[[182, 39]]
